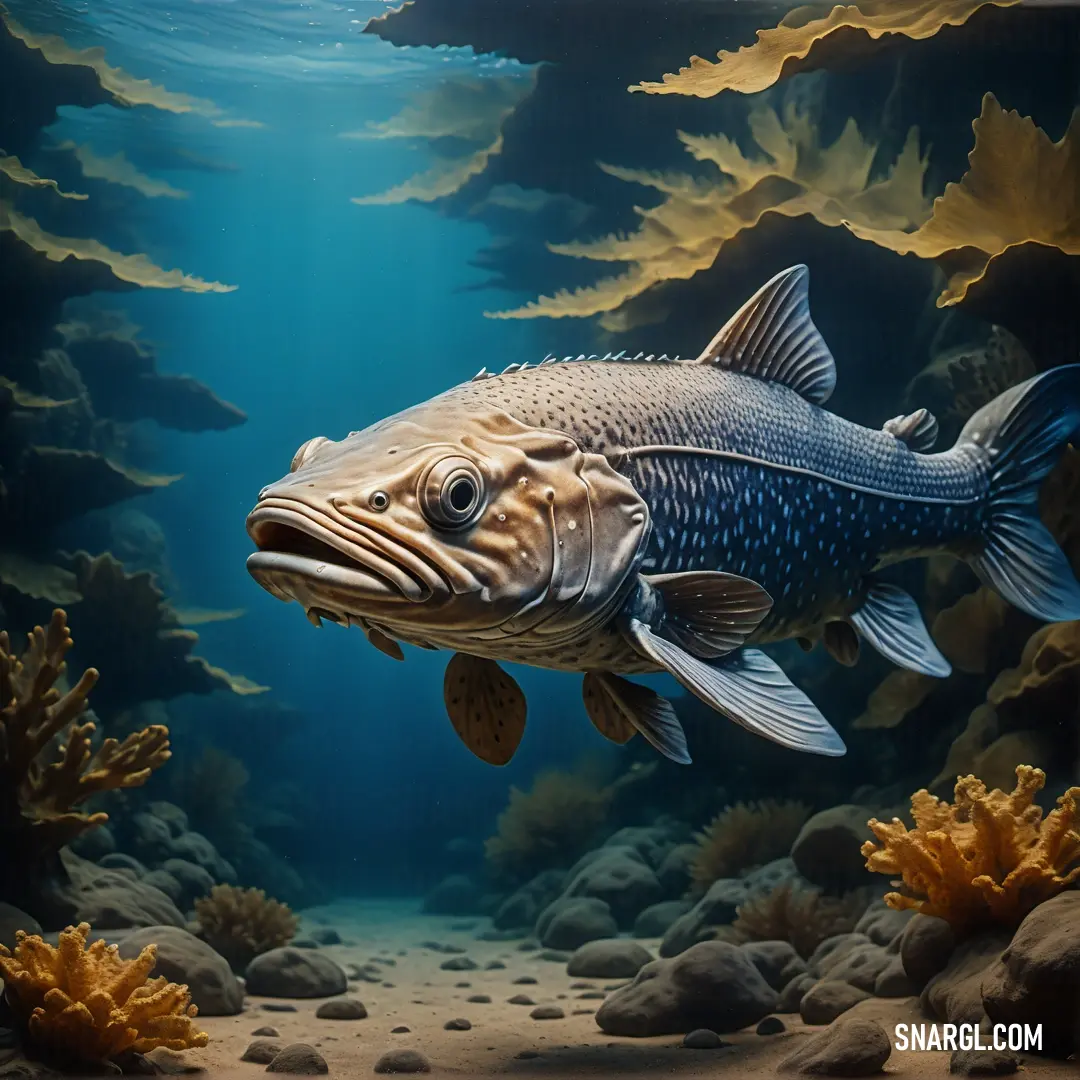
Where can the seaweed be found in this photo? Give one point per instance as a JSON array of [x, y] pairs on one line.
[[244, 923]]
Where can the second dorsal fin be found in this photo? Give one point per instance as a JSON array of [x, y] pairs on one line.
[[773, 337]]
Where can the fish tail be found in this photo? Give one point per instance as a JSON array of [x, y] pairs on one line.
[[1022, 434]]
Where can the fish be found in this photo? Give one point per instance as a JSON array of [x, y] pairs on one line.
[[618, 516]]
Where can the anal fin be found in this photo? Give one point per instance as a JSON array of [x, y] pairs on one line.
[[749, 688], [841, 642], [618, 708], [891, 621], [486, 707]]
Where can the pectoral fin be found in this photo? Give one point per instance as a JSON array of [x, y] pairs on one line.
[[486, 707], [618, 708], [842, 642], [385, 644], [891, 621], [749, 688], [708, 612]]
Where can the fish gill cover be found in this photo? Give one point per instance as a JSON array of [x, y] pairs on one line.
[[232, 230]]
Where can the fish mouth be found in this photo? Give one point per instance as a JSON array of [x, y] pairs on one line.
[[329, 568]]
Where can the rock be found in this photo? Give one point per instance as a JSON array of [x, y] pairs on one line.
[[649, 841], [792, 994], [325, 935], [184, 958], [893, 981], [401, 1029], [674, 872], [777, 961], [94, 844], [955, 994], [523, 907], [304, 943], [341, 1009], [717, 907], [983, 1063], [657, 919], [851, 1047], [403, 1061], [294, 973], [261, 1051], [1036, 980], [703, 1039], [114, 900], [299, 1059], [622, 879], [547, 1012], [771, 1025], [119, 861], [457, 894], [883, 924], [608, 958], [525, 980], [12, 919], [479, 999], [494, 965], [828, 999], [194, 847], [767, 877], [571, 921], [826, 851], [171, 814], [712, 984], [925, 947], [267, 1031], [163, 880], [278, 1006], [554, 956], [520, 999], [459, 963], [193, 879], [861, 966], [152, 837], [834, 950], [460, 1024]]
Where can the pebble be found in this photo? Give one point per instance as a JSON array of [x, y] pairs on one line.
[[547, 1012], [520, 999], [299, 1059], [403, 1061], [527, 1055], [458, 963], [494, 965], [555, 956], [525, 980], [460, 1024], [277, 1006], [771, 1025], [528, 946], [401, 1029], [479, 999], [261, 1051], [703, 1039], [341, 1009], [267, 1030], [583, 986], [593, 995]]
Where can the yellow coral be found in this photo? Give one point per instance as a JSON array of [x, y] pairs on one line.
[[987, 858], [82, 1003], [242, 923], [743, 836], [781, 51]]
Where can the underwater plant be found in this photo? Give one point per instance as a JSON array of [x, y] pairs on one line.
[[986, 859], [80, 1003], [796, 914], [806, 36], [743, 836], [550, 825], [48, 765], [243, 923]]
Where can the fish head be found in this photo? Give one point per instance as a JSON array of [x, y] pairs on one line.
[[448, 526]]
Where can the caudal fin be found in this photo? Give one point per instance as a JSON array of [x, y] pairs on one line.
[[1023, 433]]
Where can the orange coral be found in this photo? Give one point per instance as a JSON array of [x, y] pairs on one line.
[[82, 1003], [987, 858]]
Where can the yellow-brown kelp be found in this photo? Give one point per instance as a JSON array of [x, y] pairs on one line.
[[806, 34], [986, 859], [80, 1003], [243, 923]]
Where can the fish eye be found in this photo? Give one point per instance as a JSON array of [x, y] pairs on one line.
[[304, 453], [378, 501], [451, 492]]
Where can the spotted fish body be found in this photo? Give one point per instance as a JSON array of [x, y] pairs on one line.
[[617, 517]]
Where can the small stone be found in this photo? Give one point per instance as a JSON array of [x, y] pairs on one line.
[[525, 980], [608, 958], [326, 935], [479, 999], [262, 1051], [462, 985], [458, 963], [850, 1047], [554, 956], [983, 1063], [520, 999], [401, 1029], [403, 1061], [771, 1025], [527, 1055], [341, 1009], [593, 995], [528, 946], [299, 1059], [304, 943], [494, 965], [267, 1031], [583, 986], [828, 999], [703, 1039], [277, 1006], [459, 1024], [547, 1012]]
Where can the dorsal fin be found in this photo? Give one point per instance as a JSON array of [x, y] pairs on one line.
[[773, 337], [918, 429]]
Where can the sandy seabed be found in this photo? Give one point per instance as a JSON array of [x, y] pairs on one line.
[[423, 998]]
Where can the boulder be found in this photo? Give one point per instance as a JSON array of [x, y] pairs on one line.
[[402, 1061], [851, 1047], [657, 919], [777, 961], [294, 973], [13, 919], [674, 872], [151, 837], [299, 1059], [983, 1063], [113, 899], [882, 924], [184, 958], [456, 894], [622, 879], [827, 850], [651, 842], [834, 950], [571, 921], [341, 1009], [793, 993], [261, 1051], [522, 908], [716, 908], [163, 880], [861, 966], [192, 878], [955, 994], [94, 844], [171, 814], [127, 863], [194, 847], [712, 985], [828, 999], [1036, 980], [925, 946], [610, 958], [893, 981]]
